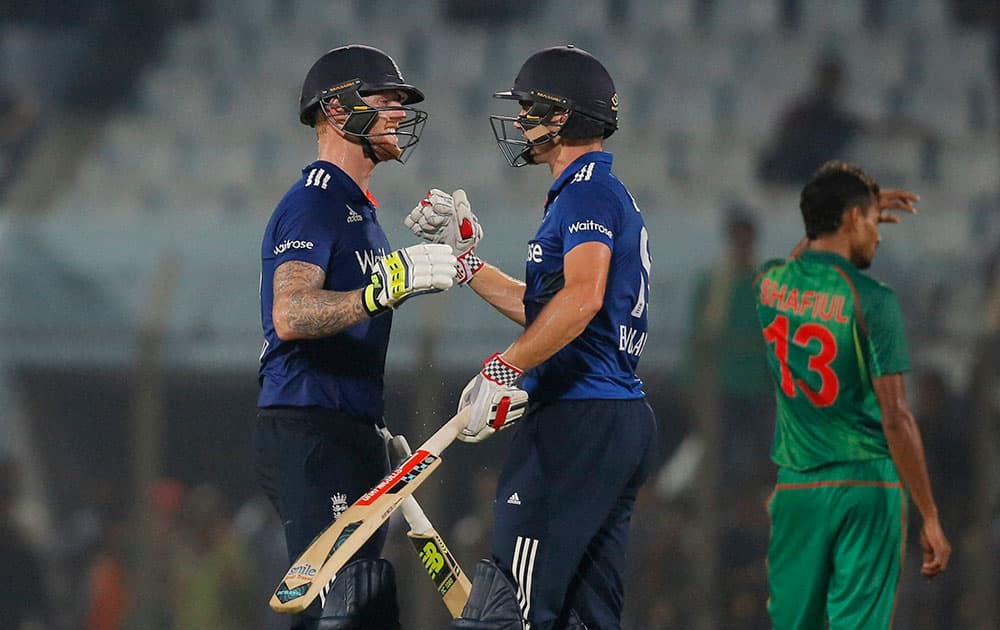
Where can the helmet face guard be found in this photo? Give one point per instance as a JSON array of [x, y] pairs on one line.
[[536, 127], [361, 117], [558, 80]]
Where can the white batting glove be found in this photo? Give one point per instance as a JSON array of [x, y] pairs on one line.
[[496, 403], [429, 219], [406, 272], [448, 219]]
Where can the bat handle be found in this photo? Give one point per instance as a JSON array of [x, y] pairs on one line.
[[414, 515], [399, 450]]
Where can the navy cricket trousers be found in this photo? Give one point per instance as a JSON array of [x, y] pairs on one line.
[[313, 464], [563, 506]]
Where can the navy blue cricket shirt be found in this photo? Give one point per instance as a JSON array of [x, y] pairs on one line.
[[325, 219], [587, 203]]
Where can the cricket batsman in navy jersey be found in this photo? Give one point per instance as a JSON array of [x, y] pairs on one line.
[[329, 284], [566, 493]]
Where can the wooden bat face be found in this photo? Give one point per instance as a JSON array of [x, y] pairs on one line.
[[336, 545], [451, 582]]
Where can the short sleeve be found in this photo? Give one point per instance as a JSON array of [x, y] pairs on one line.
[[588, 213], [886, 335], [302, 233]]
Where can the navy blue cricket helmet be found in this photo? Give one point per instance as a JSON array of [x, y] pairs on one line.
[[349, 73], [552, 81]]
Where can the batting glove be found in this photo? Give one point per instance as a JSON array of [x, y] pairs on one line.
[[468, 265], [448, 219], [406, 272], [496, 403]]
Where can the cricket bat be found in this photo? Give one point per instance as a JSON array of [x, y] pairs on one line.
[[451, 582], [337, 544]]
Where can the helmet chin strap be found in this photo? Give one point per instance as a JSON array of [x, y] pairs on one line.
[[537, 136], [369, 151]]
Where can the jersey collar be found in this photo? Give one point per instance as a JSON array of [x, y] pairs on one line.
[[827, 257], [344, 183], [602, 157]]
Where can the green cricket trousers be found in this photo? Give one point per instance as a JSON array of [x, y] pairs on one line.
[[836, 548]]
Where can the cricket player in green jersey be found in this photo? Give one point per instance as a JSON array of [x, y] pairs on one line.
[[846, 443]]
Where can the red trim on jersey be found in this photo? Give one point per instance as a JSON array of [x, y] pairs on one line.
[[372, 198], [857, 302], [902, 553], [756, 279], [845, 482]]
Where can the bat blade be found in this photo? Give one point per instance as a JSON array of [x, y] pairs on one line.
[[316, 567], [451, 582]]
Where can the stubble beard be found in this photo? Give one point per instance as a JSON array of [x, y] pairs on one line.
[[862, 259], [387, 150], [386, 147]]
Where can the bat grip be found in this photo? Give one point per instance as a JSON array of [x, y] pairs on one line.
[[399, 451], [415, 517]]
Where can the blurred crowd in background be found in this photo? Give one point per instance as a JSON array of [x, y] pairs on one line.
[[143, 145]]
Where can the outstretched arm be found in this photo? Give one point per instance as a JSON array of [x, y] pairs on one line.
[[491, 393], [304, 310], [907, 450], [585, 270], [501, 291], [448, 218]]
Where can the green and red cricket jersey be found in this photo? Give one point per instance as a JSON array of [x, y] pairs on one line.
[[830, 330]]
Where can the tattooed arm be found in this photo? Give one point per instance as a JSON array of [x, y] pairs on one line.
[[304, 310]]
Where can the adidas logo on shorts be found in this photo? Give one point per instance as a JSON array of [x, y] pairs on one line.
[[514, 499]]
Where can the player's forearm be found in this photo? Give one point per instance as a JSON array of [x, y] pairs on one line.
[[502, 292], [907, 451], [560, 322], [905, 445], [316, 313]]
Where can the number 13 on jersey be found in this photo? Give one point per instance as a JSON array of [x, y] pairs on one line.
[[820, 355]]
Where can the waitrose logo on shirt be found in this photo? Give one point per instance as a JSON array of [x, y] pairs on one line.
[[590, 226], [290, 244]]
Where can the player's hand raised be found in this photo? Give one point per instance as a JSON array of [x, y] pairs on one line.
[[406, 272], [895, 200], [448, 219]]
